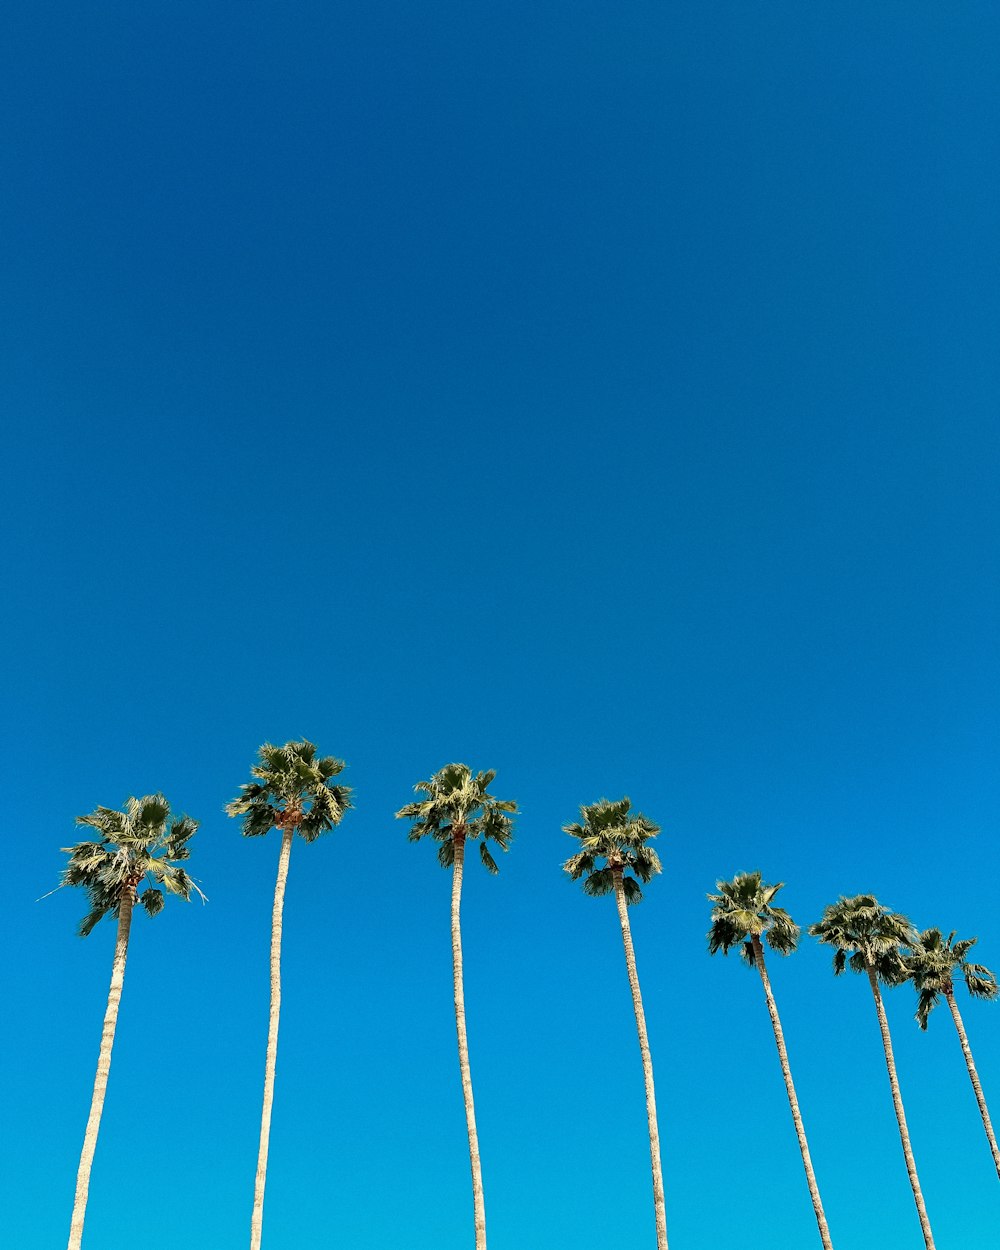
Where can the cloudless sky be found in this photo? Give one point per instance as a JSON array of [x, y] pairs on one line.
[[602, 393]]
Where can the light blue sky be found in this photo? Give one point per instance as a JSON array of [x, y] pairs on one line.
[[604, 395]]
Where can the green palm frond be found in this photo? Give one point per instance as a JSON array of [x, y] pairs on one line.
[[783, 934], [107, 821], [980, 981], [135, 844], [866, 937], [291, 786], [458, 804], [152, 900], [86, 926], [742, 910], [181, 832], [724, 935], [612, 833], [632, 891], [600, 881], [927, 1000], [579, 864]]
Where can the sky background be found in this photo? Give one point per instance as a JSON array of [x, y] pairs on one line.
[[602, 393]]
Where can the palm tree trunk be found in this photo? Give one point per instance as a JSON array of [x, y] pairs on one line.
[[478, 1200], [103, 1068], [257, 1218], [974, 1077], [793, 1102], [897, 1102], [647, 1064]]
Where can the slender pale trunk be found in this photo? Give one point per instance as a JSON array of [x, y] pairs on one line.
[[974, 1077], [103, 1068], [478, 1201], [793, 1102], [257, 1219], [897, 1102], [647, 1064]]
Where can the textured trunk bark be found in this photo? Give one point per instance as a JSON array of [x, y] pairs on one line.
[[647, 1064], [974, 1077], [897, 1102], [478, 1200], [103, 1068], [793, 1102], [257, 1218]]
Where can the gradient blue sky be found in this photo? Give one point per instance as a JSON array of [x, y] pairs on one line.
[[603, 393]]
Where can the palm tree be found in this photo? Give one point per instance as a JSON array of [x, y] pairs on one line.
[[457, 808], [932, 965], [609, 833], [139, 843], [876, 938], [741, 914], [292, 791]]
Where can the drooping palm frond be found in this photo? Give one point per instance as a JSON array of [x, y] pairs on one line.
[[292, 785], [152, 900], [933, 964], [742, 910], [458, 803], [136, 843], [612, 833], [866, 937]]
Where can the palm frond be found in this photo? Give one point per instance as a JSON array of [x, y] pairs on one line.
[[926, 1002], [600, 881], [152, 900], [631, 890], [86, 926], [980, 981]]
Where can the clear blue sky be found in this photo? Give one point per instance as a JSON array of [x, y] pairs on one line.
[[603, 393]]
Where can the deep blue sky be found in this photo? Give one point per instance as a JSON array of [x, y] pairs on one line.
[[603, 393]]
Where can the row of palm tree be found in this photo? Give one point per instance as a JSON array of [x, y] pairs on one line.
[[870, 940], [294, 790]]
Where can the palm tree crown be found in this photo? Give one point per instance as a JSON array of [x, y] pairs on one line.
[[458, 804], [743, 911], [292, 787], [609, 833], [137, 843], [872, 933], [932, 965]]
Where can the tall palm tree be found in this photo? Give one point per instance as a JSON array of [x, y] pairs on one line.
[[292, 791], [135, 845], [741, 915], [458, 808], [932, 965], [609, 833], [870, 939]]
